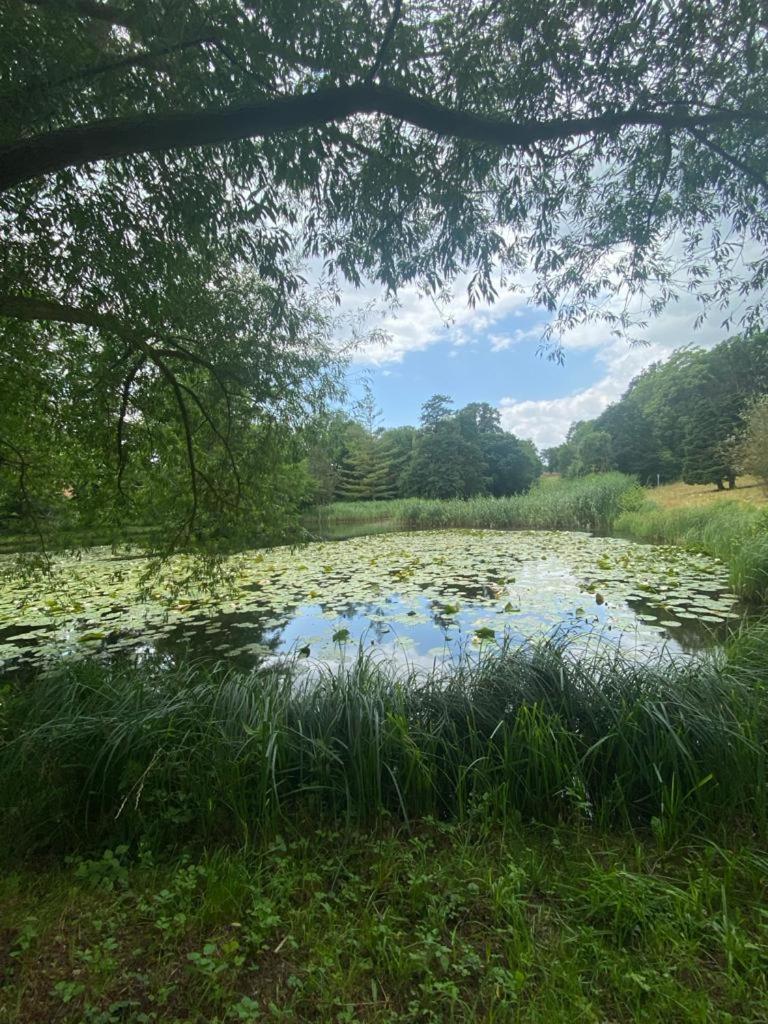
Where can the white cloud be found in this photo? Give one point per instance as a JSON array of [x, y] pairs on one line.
[[417, 321], [500, 342]]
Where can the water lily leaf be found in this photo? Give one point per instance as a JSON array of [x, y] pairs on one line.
[[485, 633]]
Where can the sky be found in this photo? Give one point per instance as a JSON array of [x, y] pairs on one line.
[[492, 354]]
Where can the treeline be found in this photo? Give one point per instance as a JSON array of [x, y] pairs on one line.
[[680, 419], [452, 454]]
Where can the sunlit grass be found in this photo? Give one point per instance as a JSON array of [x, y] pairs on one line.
[[679, 495]]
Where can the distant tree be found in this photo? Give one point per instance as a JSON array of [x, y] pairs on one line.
[[512, 465], [594, 452], [677, 419], [559, 457], [445, 464], [326, 440], [365, 410], [397, 445], [728, 377], [435, 410], [637, 448], [709, 459], [479, 418], [753, 445], [366, 471]]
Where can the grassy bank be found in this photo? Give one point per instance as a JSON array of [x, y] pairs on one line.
[[587, 503], [95, 755], [749, 490], [446, 923], [734, 532]]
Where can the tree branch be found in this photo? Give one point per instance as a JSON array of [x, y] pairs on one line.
[[729, 158], [144, 58], [389, 32], [125, 398], [667, 161], [31, 308], [27, 159], [22, 307]]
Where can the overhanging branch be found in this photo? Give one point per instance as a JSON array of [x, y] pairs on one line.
[[139, 340], [729, 158], [102, 140]]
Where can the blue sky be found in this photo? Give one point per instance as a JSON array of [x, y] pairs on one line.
[[472, 372], [489, 354]]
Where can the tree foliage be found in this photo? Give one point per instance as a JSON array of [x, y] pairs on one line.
[[153, 152], [677, 419], [452, 455], [93, 434], [752, 450]]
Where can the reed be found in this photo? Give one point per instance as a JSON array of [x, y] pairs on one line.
[[95, 753], [586, 503]]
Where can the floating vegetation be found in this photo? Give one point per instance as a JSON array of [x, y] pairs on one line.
[[428, 593]]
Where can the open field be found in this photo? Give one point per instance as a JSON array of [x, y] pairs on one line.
[[679, 495]]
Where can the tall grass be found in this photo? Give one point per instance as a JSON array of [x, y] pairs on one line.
[[95, 753], [733, 532], [586, 503]]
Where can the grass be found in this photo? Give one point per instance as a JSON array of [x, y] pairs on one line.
[[587, 503], [444, 923], [679, 495], [734, 532], [97, 754]]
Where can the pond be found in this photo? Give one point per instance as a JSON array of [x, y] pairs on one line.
[[420, 597]]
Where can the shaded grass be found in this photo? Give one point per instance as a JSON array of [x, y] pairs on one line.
[[587, 503], [108, 754], [450, 923], [731, 531]]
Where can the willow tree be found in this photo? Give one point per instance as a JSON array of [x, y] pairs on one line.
[[151, 151]]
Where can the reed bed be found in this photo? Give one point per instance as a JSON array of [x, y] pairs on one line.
[[586, 503], [95, 753]]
